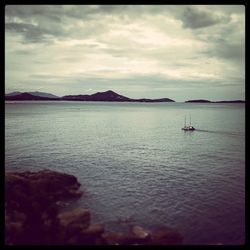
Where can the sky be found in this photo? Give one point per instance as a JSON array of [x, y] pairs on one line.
[[181, 52]]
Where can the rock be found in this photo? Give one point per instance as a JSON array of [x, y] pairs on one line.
[[139, 236], [25, 186], [31, 206], [78, 216], [91, 235], [93, 230], [140, 233], [74, 193], [118, 238], [113, 238], [166, 237]]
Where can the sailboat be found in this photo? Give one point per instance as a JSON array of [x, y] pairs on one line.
[[188, 128]]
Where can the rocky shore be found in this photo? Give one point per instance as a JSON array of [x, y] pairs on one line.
[[33, 215]]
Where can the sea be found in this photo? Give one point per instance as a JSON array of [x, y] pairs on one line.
[[135, 164]]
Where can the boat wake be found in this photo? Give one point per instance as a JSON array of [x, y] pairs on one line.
[[218, 132]]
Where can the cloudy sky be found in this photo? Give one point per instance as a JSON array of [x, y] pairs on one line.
[[180, 52]]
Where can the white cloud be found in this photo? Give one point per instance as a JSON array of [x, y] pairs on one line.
[[55, 45]]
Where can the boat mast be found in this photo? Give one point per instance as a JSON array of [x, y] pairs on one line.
[[185, 122], [190, 120]]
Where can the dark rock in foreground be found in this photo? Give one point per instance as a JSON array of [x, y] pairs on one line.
[[31, 208], [50, 184], [33, 215]]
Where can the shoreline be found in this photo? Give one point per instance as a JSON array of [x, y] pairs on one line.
[[34, 216]]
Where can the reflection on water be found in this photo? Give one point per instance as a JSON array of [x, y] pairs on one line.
[[136, 164]]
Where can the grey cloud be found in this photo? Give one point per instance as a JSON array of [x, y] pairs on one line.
[[227, 40], [27, 11], [40, 24], [37, 24], [227, 43], [55, 12], [110, 8], [107, 9], [194, 18], [19, 27], [58, 12], [33, 33], [231, 51]]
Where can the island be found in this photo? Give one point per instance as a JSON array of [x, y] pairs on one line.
[[233, 101], [207, 101], [198, 101], [107, 96], [29, 97]]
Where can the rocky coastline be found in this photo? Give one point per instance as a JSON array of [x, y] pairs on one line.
[[33, 215]]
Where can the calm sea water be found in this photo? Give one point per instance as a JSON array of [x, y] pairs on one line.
[[136, 165]]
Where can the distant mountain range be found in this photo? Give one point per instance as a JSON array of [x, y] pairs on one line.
[[27, 96], [36, 93], [107, 96]]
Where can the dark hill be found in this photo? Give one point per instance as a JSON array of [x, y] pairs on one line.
[[13, 93], [199, 101], [107, 96], [110, 96], [75, 98], [28, 97]]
